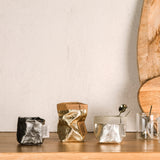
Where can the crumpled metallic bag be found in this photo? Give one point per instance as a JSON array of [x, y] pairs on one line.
[[110, 129], [30, 130], [71, 126]]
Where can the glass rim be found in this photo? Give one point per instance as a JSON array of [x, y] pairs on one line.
[[110, 116], [147, 113]]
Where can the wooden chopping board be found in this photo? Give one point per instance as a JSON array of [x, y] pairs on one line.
[[149, 41], [149, 94], [149, 56]]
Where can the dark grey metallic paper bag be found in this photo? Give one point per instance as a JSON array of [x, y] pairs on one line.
[[29, 130]]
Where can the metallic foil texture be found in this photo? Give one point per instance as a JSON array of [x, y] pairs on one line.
[[29, 130], [110, 129], [71, 126], [109, 133]]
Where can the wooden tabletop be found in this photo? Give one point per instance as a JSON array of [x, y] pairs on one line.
[[52, 148]]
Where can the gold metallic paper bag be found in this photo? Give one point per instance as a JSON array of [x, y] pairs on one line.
[[71, 126]]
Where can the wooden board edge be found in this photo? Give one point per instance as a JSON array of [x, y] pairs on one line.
[[138, 39], [80, 156]]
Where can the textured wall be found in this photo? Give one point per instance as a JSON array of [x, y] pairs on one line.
[[53, 51]]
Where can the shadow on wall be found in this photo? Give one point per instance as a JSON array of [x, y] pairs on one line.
[[129, 94]]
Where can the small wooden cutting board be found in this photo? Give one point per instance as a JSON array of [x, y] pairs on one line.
[[149, 94]]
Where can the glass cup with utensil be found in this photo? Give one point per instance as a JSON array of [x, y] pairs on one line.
[[147, 125]]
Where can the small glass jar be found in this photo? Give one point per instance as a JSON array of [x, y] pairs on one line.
[[158, 123], [110, 129], [147, 126]]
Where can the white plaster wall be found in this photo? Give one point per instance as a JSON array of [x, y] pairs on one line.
[[53, 51]]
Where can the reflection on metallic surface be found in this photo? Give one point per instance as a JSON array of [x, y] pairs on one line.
[[109, 133], [71, 125], [110, 129], [29, 130]]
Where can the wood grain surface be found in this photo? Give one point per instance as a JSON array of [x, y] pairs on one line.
[[80, 156], [149, 41], [129, 149], [149, 94]]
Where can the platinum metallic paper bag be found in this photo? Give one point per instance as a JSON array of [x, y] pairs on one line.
[[110, 129], [71, 126], [30, 130]]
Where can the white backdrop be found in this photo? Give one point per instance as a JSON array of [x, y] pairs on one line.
[[53, 51]]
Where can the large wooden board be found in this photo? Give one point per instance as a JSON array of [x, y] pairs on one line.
[[149, 41], [149, 94], [53, 149]]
